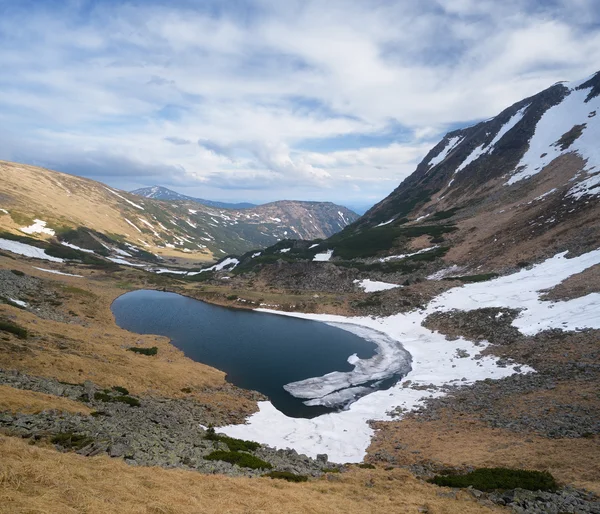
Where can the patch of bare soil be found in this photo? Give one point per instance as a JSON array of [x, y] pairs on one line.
[[576, 286]]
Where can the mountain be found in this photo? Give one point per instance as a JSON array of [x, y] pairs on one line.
[[516, 187], [162, 193], [65, 204], [489, 198]]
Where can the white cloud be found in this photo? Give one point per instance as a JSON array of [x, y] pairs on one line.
[[230, 100]]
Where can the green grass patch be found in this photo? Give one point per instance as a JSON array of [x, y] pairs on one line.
[[286, 475], [482, 277], [71, 441], [331, 470], [491, 479], [144, 351], [13, 328], [107, 398], [21, 219], [244, 460], [120, 389]]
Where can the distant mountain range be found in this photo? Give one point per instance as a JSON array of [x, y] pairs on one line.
[[172, 228], [162, 193]]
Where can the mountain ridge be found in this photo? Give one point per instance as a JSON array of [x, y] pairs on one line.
[[163, 193]]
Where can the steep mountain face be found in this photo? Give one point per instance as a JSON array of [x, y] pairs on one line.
[[44, 203], [162, 193], [518, 186], [490, 198]]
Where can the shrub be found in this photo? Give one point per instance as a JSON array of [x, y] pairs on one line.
[[71, 441], [474, 278], [366, 465], [186, 390], [144, 351], [120, 389], [234, 444], [490, 479], [331, 470], [17, 272], [107, 398], [232, 297], [13, 328], [286, 475], [244, 460]]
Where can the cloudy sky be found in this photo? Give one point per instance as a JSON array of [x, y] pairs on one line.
[[259, 100]]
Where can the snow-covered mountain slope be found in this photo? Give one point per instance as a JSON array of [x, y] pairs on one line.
[[44, 203], [517, 187], [162, 193]]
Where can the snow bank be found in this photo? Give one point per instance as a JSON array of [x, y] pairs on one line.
[[372, 286], [21, 303], [26, 250], [345, 435], [123, 261], [325, 256]]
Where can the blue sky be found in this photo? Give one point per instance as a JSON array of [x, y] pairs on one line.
[[256, 100]]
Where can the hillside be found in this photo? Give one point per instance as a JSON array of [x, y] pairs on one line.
[[477, 281], [174, 230], [162, 193]]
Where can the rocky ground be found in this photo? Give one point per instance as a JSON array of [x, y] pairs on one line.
[[158, 432]]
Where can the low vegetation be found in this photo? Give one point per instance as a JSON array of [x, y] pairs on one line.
[[13, 328], [108, 398], [286, 475], [244, 460], [71, 441], [233, 444], [144, 351], [482, 277], [492, 479]]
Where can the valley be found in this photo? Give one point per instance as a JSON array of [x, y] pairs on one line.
[[476, 281]]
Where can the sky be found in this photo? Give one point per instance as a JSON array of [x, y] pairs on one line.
[[256, 100]]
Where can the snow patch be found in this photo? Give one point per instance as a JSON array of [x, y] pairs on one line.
[[69, 245], [58, 272], [372, 286], [38, 227], [325, 256], [123, 198], [452, 142], [19, 302], [345, 435], [26, 250]]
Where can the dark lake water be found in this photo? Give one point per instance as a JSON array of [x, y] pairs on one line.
[[258, 351]]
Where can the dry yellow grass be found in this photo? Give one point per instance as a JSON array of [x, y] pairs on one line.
[[32, 402], [455, 441], [40, 480], [97, 351], [68, 200]]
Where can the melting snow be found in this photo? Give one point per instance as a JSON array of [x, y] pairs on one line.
[[345, 435], [4, 211], [405, 255], [555, 122], [313, 246], [26, 250], [226, 263], [19, 302], [483, 149], [452, 142], [75, 247], [58, 272], [372, 286], [123, 198], [385, 223], [325, 256], [284, 250], [123, 261], [257, 254], [38, 227], [132, 224]]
